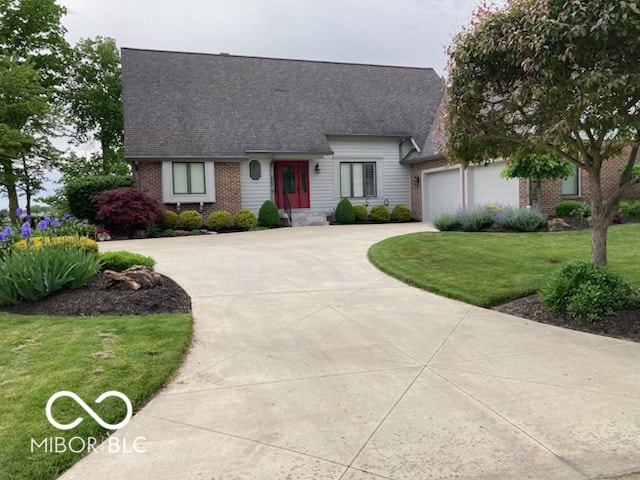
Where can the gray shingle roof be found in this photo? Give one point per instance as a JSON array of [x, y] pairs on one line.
[[186, 104]]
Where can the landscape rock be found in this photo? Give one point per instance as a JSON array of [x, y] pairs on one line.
[[103, 237], [558, 225], [133, 278]]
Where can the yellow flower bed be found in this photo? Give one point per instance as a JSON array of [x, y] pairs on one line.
[[84, 243]]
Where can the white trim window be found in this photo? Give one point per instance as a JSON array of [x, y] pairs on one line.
[[188, 182], [358, 179], [188, 178], [571, 184]]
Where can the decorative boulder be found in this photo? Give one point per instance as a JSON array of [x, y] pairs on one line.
[[557, 225], [133, 278]]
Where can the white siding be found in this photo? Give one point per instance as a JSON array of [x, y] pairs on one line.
[[392, 178], [255, 192]]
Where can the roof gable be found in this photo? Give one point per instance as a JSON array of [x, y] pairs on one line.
[[183, 104]]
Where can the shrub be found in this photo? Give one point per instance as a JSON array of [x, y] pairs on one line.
[[79, 193], [189, 219], [476, 219], [269, 216], [630, 208], [127, 208], [246, 219], [401, 213], [36, 243], [344, 212], [121, 260], [34, 274], [220, 219], [360, 212], [572, 208], [588, 292], [167, 233], [380, 214], [168, 219], [521, 219], [446, 222]]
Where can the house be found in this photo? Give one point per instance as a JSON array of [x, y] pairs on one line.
[[224, 132]]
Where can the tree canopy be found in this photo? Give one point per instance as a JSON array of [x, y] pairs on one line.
[[94, 99], [32, 65], [555, 77]]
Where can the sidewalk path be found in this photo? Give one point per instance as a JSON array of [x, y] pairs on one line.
[[308, 363]]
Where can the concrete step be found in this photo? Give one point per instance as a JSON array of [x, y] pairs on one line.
[[304, 218]]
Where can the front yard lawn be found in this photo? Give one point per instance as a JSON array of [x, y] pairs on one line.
[[487, 269], [42, 355]]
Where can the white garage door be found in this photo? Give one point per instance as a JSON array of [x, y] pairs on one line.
[[485, 186], [441, 192]]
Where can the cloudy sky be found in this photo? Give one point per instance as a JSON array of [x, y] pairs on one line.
[[389, 32]]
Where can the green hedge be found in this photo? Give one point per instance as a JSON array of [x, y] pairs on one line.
[[79, 193]]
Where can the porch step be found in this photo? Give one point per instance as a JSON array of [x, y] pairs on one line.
[[306, 218]]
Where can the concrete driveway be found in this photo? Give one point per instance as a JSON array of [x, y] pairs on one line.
[[307, 362]]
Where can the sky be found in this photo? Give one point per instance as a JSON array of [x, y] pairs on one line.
[[388, 32]]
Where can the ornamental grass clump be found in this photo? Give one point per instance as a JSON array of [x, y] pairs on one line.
[[446, 222], [476, 219], [521, 219], [33, 274]]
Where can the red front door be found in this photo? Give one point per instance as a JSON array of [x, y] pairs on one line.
[[292, 181]]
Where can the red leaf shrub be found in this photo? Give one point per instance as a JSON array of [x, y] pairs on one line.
[[127, 208]]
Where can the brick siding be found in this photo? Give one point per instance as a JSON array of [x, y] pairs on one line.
[[227, 179], [552, 189]]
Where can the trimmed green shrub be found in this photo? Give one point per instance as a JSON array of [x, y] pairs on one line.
[[572, 208], [127, 208], [401, 213], [630, 208], [360, 212], [121, 260], [220, 219], [80, 192], [521, 219], [269, 216], [476, 219], [246, 219], [446, 222], [169, 232], [344, 212], [588, 292], [34, 274], [189, 219], [168, 219], [380, 214]]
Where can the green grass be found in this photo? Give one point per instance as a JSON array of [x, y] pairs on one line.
[[486, 269], [40, 356]]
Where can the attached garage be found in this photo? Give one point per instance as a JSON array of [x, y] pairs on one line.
[[483, 185], [441, 192]]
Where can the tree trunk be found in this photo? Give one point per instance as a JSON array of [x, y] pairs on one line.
[[539, 194], [599, 220], [12, 193]]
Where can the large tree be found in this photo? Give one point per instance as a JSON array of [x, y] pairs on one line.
[[551, 76], [94, 99], [32, 65]]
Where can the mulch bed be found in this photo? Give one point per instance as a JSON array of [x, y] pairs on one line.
[[94, 299], [624, 324]]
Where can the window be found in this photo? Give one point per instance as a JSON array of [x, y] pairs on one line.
[[571, 184], [358, 179], [188, 178], [255, 170]]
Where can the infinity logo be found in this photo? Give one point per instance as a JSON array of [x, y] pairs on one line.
[[89, 410]]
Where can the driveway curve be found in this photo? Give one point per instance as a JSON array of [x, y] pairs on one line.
[[307, 362]]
